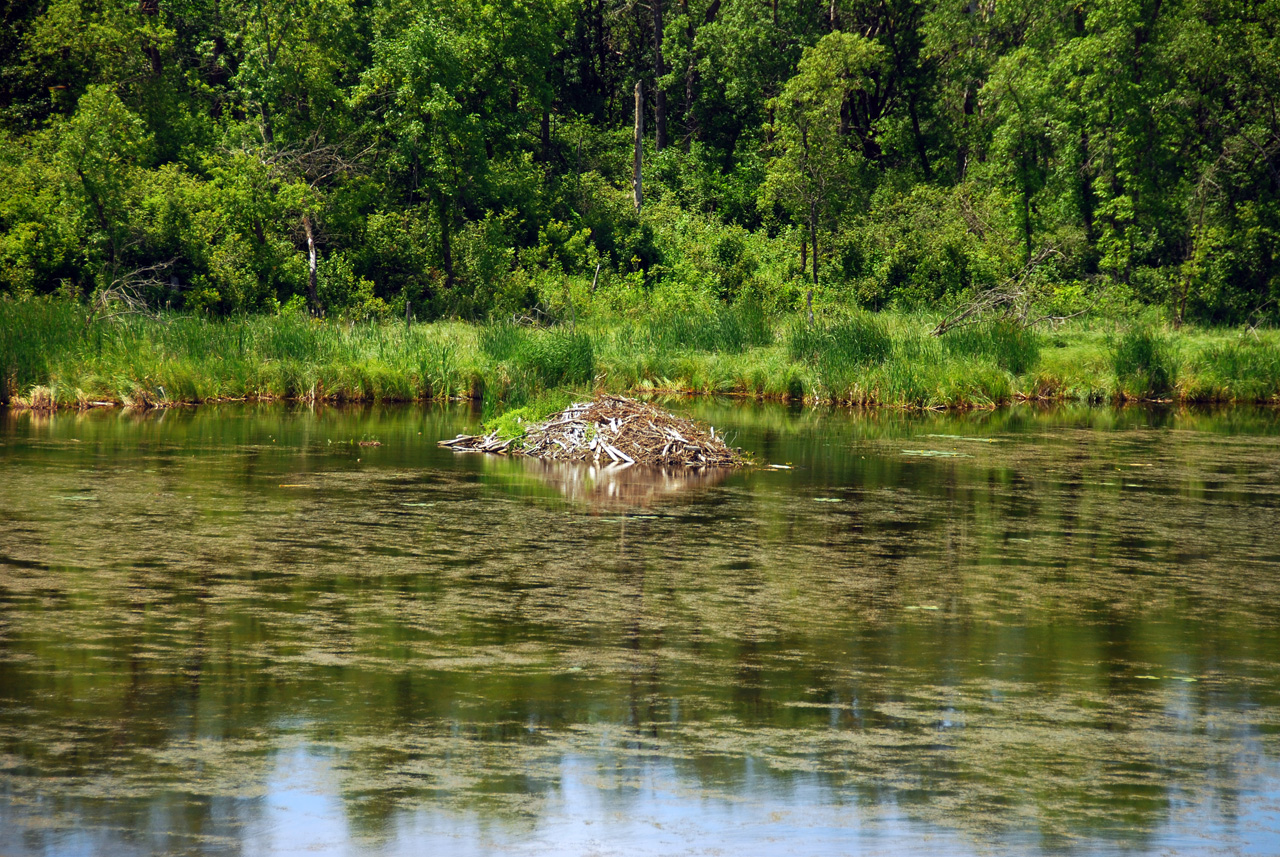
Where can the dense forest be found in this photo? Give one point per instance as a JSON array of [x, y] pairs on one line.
[[475, 159]]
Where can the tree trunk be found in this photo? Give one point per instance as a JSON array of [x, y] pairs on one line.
[[915, 129], [545, 133], [690, 124], [813, 238], [313, 290], [268, 132], [636, 187], [151, 8], [659, 71], [1086, 189], [446, 241], [1026, 217]]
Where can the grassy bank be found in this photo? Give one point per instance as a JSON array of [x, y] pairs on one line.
[[56, 354]]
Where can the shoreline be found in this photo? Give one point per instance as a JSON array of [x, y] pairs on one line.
[[54, 356], [654, 393]]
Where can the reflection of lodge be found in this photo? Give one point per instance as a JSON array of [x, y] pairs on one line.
[[614, 486]]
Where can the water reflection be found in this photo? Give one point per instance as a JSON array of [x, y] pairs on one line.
[[616, 487], [237, 630]]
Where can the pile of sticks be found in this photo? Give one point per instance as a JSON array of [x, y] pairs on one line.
[[612, 430]]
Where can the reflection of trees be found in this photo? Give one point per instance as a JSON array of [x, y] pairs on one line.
[[450, 645]]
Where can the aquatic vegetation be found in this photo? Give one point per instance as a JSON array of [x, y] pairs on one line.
[[1246, 369], [859, 339], [727, 329]]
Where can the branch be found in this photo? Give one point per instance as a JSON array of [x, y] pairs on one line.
[[313, 161], [1011, 294], [124, 295]]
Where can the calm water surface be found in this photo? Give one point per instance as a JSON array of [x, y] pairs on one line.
[[237, 631]]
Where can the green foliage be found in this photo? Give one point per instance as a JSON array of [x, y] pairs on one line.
[[544, 357], [815, 174], [474, 160], [1006, 343], [1144, 364], [913, 249], [730, 330], [511, 423], [33, 334], [839, 348], [345, 293]]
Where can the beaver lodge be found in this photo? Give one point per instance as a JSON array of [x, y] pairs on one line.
[[612, 430]]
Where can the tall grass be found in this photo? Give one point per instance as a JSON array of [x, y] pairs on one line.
[[553, 356], [32, 335], [839, 345], [1009, 345], [1244, 370], [729, 330], [1145, 365], [54, 353]]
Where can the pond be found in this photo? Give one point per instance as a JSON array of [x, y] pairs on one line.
[[237, 630]]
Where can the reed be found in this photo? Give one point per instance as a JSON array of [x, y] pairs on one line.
[[1009, 345], [1245, 369], [1145, 364], [32, 335], [728, 330], [57, 354]]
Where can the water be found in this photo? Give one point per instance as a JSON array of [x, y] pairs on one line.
[[235, 630]]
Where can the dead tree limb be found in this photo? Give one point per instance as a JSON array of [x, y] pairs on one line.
[[124, 295], [1011, 298]]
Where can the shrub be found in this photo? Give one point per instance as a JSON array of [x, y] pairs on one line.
[[344, 293]]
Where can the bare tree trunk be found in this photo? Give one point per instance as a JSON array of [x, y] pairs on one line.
[[446, 241], [921, 151], [268, 132], [151, 8], [690, 123], [313, 290], [545, 133], [804, 254], [813, 238], [639, 193], [659, 71]]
